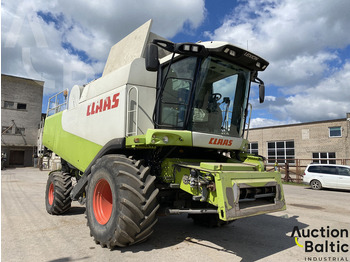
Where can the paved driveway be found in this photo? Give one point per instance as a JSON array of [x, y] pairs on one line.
[[30, 234]]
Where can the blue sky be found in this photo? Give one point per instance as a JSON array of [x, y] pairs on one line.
[[306, 42]]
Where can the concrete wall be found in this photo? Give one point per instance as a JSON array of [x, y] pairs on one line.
[[308, 138], [21, 91]]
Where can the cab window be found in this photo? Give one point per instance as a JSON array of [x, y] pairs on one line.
[[176, 92]]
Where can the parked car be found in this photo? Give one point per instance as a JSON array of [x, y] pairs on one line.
[[327, 175]]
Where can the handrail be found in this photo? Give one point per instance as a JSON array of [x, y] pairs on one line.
[[57, 105], [130, 111], [250, 114]]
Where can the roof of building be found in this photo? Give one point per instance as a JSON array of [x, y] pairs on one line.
[[301, 124], [24, 78]]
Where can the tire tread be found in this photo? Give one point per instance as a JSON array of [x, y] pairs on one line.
[[137, 196]]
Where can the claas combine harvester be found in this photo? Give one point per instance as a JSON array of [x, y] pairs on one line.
[[163, 131]]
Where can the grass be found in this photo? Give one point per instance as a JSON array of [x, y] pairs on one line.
[[293, 183]]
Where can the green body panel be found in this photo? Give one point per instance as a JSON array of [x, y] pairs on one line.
[[229, 179], [156, 137], [77, 151], [252, 159], [229, 166], [228, 185]]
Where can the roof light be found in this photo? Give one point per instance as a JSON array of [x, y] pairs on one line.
[[190, 49], [187, 47], [258, 64], [195, 48], [232, 53]]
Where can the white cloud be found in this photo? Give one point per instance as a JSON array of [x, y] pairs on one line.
[[293, 35], [270, 98], [264, 122], [329, 99], [300, 70], [32, 47], [301, 40]]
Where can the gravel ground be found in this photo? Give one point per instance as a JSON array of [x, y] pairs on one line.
[[29, 233]]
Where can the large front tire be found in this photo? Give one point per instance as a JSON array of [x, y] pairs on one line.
[[57, 196], [121, 201]]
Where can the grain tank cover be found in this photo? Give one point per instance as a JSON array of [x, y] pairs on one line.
[[131, 47]]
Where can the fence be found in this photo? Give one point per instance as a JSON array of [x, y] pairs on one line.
[[292, 170]]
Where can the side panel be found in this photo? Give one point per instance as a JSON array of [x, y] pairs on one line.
[[216, 141], [78, 134], [76, 150], [100, 119]]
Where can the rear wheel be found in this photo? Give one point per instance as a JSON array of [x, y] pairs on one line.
[[121, 201], [315, 184], [57, 197]]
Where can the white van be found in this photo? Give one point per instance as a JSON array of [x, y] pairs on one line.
[[325, 175]]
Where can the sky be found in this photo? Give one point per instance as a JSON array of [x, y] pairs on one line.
[[307, 43]]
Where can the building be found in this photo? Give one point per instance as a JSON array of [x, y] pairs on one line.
[[318, 142], [21, 105]]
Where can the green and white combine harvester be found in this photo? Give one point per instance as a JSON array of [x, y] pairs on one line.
[[163, 131]]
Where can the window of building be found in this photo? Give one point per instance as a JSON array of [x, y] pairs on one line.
[[281, 151], [9, 105], [21, 106], [20, 131], [6, 130], [335, 131], [323, 158], [253, 148]]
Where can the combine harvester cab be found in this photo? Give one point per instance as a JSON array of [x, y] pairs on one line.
[[164, 130]]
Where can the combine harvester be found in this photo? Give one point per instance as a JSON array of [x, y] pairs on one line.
[[164, 130]]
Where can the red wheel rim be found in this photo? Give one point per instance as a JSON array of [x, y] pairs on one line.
[[102, 202], [51, 195]]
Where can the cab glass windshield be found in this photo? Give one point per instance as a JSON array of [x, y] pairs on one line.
[[220, 98], [211, 95]]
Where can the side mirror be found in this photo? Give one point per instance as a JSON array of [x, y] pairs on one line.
[[261, 86], [261, 93], [152, 62]]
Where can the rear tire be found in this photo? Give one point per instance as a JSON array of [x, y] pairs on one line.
[[57, 196], [121, 201], [315, 184]]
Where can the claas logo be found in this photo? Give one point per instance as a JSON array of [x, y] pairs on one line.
[[222, 142], [102, 105]]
